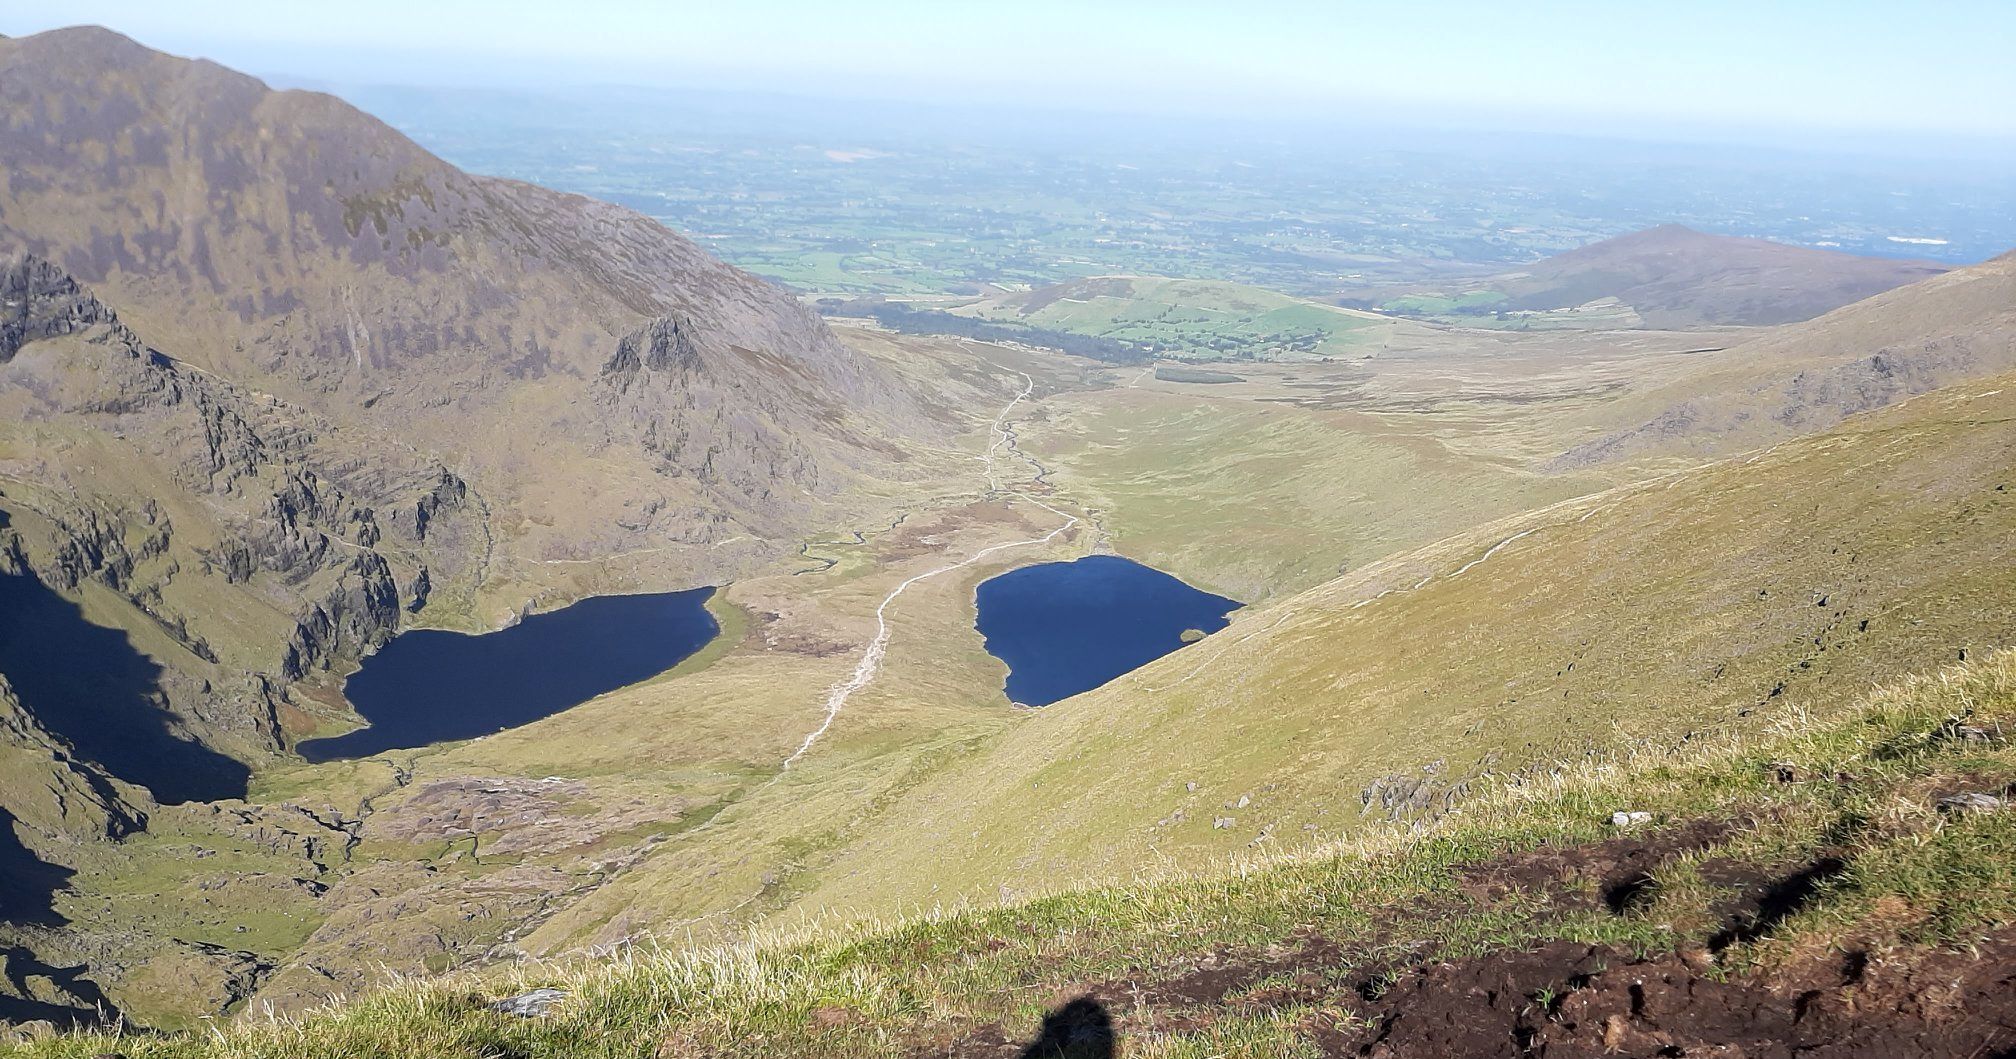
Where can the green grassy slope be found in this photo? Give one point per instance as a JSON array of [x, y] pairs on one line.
[[1256, 498], [1298, 957]]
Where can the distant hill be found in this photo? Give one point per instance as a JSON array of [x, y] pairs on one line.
[[1811, 375], [1669, 277]]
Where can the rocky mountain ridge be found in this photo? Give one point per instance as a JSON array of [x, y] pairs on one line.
[[286, 241]]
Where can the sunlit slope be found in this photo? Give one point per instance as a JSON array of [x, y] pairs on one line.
[[1727, 595], [1258, 498], [1811, 875]]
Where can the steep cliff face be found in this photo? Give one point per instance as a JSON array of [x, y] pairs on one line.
[[215, 527]]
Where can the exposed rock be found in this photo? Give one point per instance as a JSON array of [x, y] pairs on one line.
[[1971, 802], [1961, 732], [530, 1005], [37, 301]]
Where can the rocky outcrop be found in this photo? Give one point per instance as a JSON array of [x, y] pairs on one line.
[[37, 301], [743, 425], [359, 612], [658, 347]]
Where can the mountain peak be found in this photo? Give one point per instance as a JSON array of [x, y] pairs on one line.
[[95, 48]]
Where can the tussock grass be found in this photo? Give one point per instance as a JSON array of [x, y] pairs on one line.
[[1860, 787]]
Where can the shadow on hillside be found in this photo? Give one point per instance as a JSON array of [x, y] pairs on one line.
[[89, 685], [1079, 1030], [28, 884], [28, 887], [88, 1008]]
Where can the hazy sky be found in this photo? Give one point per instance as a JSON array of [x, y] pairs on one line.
[[1934, 66]]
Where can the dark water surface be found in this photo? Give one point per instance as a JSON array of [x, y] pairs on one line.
[[1064, 628], [430, 686]]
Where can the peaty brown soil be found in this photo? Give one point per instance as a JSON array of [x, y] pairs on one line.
[[1568, 1000]]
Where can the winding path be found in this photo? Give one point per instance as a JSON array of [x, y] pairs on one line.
[[872, 655]]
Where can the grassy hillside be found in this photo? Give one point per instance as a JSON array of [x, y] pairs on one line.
[[1811, 880], [1198, 319], [1258, 498]]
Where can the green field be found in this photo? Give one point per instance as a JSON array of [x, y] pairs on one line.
[[1429, 304], [1197, 319]]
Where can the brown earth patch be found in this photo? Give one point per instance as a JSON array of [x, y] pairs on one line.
[[930, 536], [1570, 1000], [784, 634], [1613, 873]]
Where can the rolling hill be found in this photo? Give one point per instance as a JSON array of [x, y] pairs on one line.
[[1665, 277], [1811, 375]]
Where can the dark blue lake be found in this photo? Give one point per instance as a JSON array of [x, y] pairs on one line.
[[430, 686], [1064, 628]]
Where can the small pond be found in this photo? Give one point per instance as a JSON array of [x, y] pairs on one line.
[[1065, 628], [430, 686]]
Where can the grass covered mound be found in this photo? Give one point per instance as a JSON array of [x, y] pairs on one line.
[[1848, 884]]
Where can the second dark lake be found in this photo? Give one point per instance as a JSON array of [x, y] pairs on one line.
[[1065, 628], [429, 686]]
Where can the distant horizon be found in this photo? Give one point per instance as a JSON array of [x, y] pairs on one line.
[[1900, 145], [1831, 76]]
